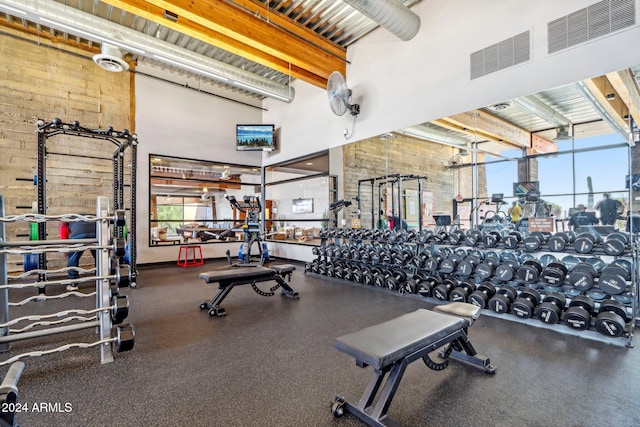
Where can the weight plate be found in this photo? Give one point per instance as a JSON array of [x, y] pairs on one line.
[[597, 263], [624, 264], [499, 303], [583, 245], [612, 283], [546, 259], [570, 261], [597, 295], [614, 247], [33, 231], [577, 318], [610, 324]]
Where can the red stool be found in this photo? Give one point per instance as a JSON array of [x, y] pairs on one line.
[[195, 259]]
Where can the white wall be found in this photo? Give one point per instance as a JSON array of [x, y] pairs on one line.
[[400, 84], [176, 121]]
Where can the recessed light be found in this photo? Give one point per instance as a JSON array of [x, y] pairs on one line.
[[309, 163]]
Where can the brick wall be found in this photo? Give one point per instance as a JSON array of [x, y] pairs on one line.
[[43, 79]]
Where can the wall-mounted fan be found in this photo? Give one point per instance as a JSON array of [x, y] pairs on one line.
[[339, 95]]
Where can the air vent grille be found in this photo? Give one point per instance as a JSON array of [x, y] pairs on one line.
[[505, 54], [590, 23]]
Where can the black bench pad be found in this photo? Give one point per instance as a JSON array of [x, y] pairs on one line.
[[245, 273], [384, 344]]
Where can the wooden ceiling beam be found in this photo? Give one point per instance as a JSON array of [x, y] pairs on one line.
[[625, 85], [609, 98], [483, 125], [249, 30]]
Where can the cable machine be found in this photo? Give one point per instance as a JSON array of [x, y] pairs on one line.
[[123, 140], [396, 182]]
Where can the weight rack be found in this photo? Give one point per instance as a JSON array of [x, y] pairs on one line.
[[106, 307]]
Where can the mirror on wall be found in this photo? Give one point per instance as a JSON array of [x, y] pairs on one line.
[[188, 203]]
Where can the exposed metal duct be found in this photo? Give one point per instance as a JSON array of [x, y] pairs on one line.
[[67, 19], [435, 135], [389, 14], [542, 110], [604, 114]]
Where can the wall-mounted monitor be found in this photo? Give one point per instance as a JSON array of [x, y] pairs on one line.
[[255, 138], [521, 189]]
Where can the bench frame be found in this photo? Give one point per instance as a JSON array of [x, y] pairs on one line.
[[455, 345], [250, 276]]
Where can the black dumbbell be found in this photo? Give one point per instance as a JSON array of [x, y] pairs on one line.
[[550, 309], [615, 244], [424, 236], [512, 240], [473, 237], [534, 241], [410, 286], [611, 318], [486, 268], [418, 260], [491, 238], [443, 290], [440, 237], [585, 242], [558, 242], [480, 297], [578, 315], [502, 300], [357, 274], [402, 257], [394, 280], [526, 302], [449, 265], [506, 271], [433, 263], [462, 291], [613, 279], [467, 266], [456, 237], [425, 287], [339, 270], [582, 276], [529, 271], [554, 273], [370, 273]]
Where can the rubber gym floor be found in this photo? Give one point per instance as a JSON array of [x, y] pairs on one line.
[[271, 362]]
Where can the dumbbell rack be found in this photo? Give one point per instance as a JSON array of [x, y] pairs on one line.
[[366, 256], [110, 307]]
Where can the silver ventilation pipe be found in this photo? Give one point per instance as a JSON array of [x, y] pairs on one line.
[[542, 110], [435, 135], [73, 21], [604, 114], [389, 14]]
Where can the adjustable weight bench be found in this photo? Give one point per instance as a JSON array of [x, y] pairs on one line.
[[390, 346], [227, 279]]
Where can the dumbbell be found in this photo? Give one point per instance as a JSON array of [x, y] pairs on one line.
[[524, 305], [613, 279], [339, 270], [449, 265], [611, 318], [410, 286], [424, 236], [578, 315], [582, 276], [369, 273], [512, 240], [357, 274], [585, 242], [418, 260], [615, 244], [442, 290], [394, 280], [480, 297], [486, 268], [550, 309], [558, 242], [534, 241], [502, 300], [425, 287], [473, 237], [433, 263], [441, 237], [529, 271], [491, 238], [554, 273], [456, 237], [462, 291], [402, 257], [467, 266], [330, 271], [506, 271]]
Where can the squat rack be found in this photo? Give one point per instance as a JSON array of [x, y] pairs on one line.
[[123, 140], [395, 180]]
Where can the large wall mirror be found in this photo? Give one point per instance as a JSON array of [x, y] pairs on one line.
[[551, 153]]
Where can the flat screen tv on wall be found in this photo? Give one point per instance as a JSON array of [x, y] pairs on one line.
[[255, 138]]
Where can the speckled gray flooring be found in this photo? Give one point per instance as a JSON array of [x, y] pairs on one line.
[[271, 362]]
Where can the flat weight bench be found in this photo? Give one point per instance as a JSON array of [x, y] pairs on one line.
[[227, 279], [390, 346]]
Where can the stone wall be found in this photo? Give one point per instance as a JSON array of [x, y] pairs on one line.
[[43, 79], [399, 154]]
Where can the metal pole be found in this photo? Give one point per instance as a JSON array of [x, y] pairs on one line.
[[420, 201], [4, 293], [133, 243], [103, 290]]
